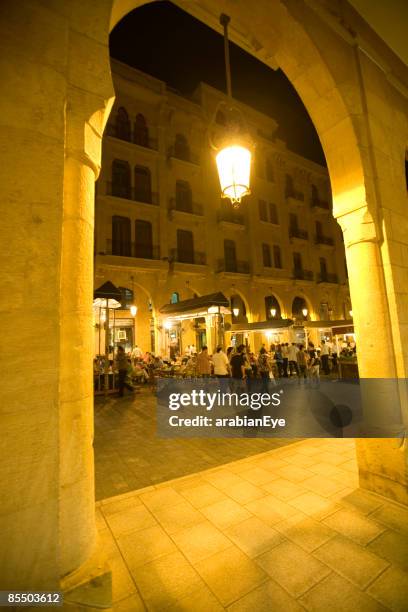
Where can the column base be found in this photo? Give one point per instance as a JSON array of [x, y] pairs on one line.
[[90, 586]]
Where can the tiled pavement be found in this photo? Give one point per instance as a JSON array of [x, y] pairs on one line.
[[283, 530], [129, 455]]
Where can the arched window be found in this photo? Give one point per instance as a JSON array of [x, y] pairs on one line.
[[143, 239], [181, 147], [220, 118], [123, 124], [141, 131], [121, 178], [121, 239], [184, 197], [299, 307], [272, 308], [143, 184]]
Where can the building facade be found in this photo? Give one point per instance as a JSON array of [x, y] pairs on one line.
[[164, 235]]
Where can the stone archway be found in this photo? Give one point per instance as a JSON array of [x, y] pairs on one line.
[[59, 125]]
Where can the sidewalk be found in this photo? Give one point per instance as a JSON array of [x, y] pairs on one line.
[[283, 530]]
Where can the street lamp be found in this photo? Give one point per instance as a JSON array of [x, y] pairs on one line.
[[304, 312], [273, 312], [234, 153], [235, 312]]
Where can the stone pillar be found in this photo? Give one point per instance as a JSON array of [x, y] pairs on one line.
[[382, 462]]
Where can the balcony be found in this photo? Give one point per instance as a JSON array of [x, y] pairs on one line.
[[317, 204], [301, 234], [324, 240], [234, 267], [191, 208], [130, 193], [300, 274], [146, 143], [230, 216], [186, 156], [294, 197], [327, 277], [131, 249], [188, 257]]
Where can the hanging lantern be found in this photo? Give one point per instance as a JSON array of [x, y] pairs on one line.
[[133, 310], [273, 312], [234, 152], [304, 312], [235, 312]]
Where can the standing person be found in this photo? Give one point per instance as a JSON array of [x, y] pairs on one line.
[[285, 358], [292, 354], [324, 356], [264, 368], [314, 364], [301, 359], [238, 367], [204, 363], [279, 359], [221, 364], [230, 352], [122, 365]]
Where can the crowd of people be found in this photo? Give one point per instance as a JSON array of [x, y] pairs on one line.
[[284, 360]]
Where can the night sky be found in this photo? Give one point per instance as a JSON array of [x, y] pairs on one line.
[[164, 41]]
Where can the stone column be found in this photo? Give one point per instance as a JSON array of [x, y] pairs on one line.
[[382, 462]]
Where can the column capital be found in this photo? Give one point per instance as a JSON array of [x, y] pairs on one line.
[[358, 226]]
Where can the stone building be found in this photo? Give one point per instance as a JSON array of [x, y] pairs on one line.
[[163, 234]]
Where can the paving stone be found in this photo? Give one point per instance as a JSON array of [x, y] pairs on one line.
[[305, 531], [161, 498], [393, 546], [354, 526], [351, 561], [391, 589], [225, 513], [314, 505], [130, 519], [242, 575], [257, 475], [270, 509], [294, 473], [294, 569], [284, 489], [392, 515], [202, 495], [202, 600], [322, 486], [244, 492], [140, 547], [222, 478], [336, 594], [200, 541], [266, 598], [254, 536], [180, 516], [133, 603], [362, 501]]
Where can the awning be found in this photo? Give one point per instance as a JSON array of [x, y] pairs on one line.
[[197, 304], [340, 326], [107, 295], [270, 325]]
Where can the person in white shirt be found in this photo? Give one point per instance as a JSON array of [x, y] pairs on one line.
[[221, 364], [292, 356], [324, 357], [137, 352]]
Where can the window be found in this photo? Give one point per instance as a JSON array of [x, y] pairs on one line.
[[126, 299], [184, 198], [319, 229], [298, 305], [315, 194], [297, 261], [143, 239], [289, 186], [236, 301], [293, 222], [269, 171], [230, 256], [273, 213], [123, 124], [121, 178], [263, 211], [323, 267], [121, 240], [271, 303], [277, 256], [185, 246], [175, 298], [181, 148], [266, 256], [141, 131], [143, 184]]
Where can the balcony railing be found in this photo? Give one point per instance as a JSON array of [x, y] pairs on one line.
[[327, 277], [295, 232], [301, 274], [131, 249], [230, 216], [236, 267], [187, 156], [324, 240], [316, 203], [189, 257], [130, 193], [147, 143], [295, 195], [192, 207]]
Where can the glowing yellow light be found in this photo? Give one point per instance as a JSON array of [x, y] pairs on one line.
[[304, 312], [133, 310], [234, 168], [273, 312], [168, 325], [235, 311], [351, 313]]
